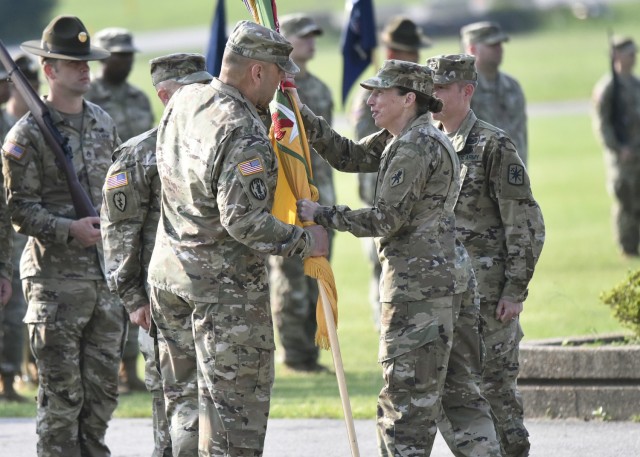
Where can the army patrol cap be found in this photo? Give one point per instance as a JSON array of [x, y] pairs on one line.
[[623, 44], [299, 25], [184, 68], [403, 34], [448, 69], [400, 73], [256, 42], [65, 38], [27, 66], [115, 39], [485, 32]]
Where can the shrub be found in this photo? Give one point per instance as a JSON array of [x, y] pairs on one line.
[[624, 300]]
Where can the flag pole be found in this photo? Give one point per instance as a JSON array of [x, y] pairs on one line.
[[337, 363]]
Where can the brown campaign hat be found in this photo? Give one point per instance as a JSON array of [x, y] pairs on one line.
[[184, 68], [403, 34], [115, 39], [623, 44], [451, 68], [65, 38], [299, 25], [27, 66], [484, 32]]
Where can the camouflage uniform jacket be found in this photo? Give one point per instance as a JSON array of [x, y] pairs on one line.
[[218, 173], [316, 95], [412, 217], [39, 199], [497, 218], [629, 107], [502, 103], [6, 237], [127, 105], [364, 126], [129, 218], [6, 122]]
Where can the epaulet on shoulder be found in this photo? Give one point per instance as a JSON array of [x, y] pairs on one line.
[[138, 139], [485, 125]]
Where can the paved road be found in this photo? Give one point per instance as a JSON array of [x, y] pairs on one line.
[[328, 438]]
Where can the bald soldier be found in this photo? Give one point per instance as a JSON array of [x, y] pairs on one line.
[[209, 286], [498, 99], [402, 40], [129, 221], [501, 225]]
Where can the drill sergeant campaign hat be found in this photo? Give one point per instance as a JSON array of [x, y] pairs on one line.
[[448, 69], [299, 25], [27, 66], [623, 44], [403, 34], [65, 38], [256, 42], [484, 32], [115, 39], [184, 68], [400, 73]]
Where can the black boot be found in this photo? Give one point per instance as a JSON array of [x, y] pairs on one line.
[[9, 393]]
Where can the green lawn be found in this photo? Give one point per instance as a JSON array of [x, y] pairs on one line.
[[579, 261]]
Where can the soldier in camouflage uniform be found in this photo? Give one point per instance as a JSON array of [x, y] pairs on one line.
[[4, 96], [402, 40], [131, 110], [502, 228], [294, 295], [427, 284], [616, 123], [76, 326], [129, 221], [498, 98], [12, 335], [209, 286]]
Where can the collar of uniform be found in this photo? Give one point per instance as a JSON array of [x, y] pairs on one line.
[[235, 93], [459, 140], [424, 119]]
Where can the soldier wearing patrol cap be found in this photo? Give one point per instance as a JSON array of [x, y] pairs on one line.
[[616, 123], [427, 285], [76, 326], [207, 272], [294, 295], [129, 221], [501, 225], [498, 99], [402, 39]]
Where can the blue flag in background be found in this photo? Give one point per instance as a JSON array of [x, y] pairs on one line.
[[358, 42], [217, 40]]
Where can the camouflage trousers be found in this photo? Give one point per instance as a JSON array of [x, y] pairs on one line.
[[415, 343], [76, 331], [149, 349], [467, 425], [499, 381], [216, 359], [294, 297], [624, 185]]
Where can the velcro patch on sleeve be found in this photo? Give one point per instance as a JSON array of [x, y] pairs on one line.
[[118, 180], [14, 150], [250, 167]]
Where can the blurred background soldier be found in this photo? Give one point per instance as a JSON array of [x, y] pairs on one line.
[[15, 352], [498, 99], [294, 295], [76, 326], [131, 110], [4, 96], [616, 123], [129, 220], [402, 40]]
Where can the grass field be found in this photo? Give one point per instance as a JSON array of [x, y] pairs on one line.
[[580, 259]]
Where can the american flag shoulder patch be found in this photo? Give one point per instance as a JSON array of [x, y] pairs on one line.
[[118, 180], [250, 167], [14, 150]]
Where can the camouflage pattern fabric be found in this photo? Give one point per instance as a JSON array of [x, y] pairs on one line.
[[127, 105], [293, 295], [365, 126], [623, 178], [501, 226], [218, 174], [502, 103], [70, 313], [128, 222], [6, 238]]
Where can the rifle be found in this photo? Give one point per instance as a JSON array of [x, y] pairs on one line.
[[58, 144], [617, 118]]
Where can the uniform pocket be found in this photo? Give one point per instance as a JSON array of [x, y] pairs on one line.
[[41, 312]]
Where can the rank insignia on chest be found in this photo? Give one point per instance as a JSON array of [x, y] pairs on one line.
[[250, 167], [14, 150], [516, 174], [397, 177], [118, 180]]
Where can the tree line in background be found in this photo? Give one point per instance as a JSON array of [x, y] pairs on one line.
[[23, 19]]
